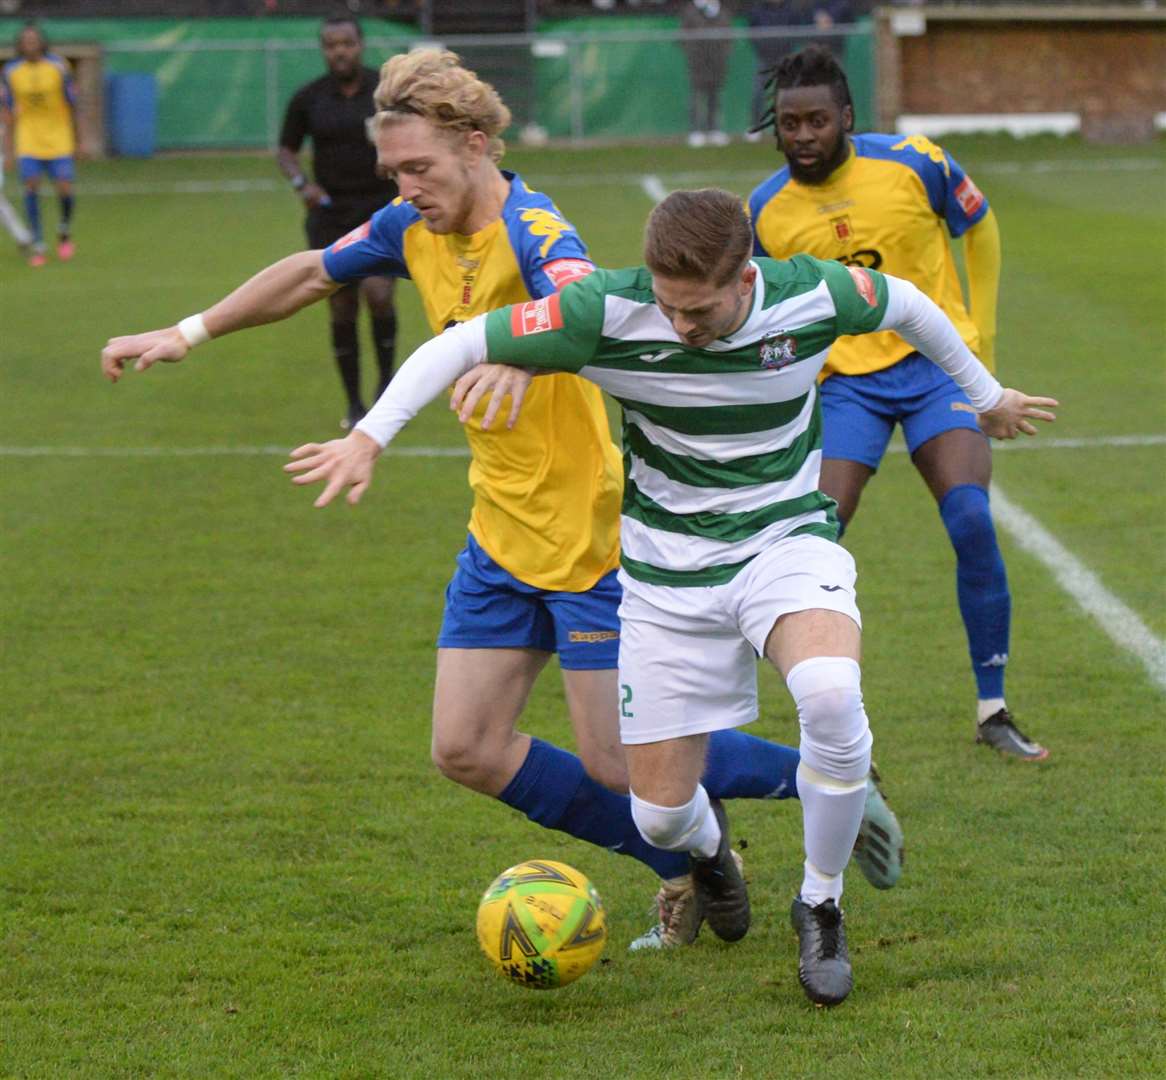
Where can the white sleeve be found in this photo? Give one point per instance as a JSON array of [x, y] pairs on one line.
[[440, 361], [918, 320]]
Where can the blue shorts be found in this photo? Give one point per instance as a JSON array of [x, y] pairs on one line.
[[487, 607], [57, 168], [859, 412]]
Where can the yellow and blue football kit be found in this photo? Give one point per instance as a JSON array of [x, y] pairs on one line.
[[891, 206], [895, 204], [39, 94], [538, 570]]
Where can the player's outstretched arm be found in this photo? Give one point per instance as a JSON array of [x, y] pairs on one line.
[[347, 463], [1003, 413], [274, 293], [1012, 415]]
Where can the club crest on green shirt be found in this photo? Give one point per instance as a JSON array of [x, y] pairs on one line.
[[778, 350]]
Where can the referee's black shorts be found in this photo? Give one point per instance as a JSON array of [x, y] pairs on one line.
[[327, 224]]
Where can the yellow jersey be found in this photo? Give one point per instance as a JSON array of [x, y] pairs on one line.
[[39, 94], [892, 206], [547, 493]]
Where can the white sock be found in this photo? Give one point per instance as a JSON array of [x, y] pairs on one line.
[[692, 827], [818, 887], [831, 814], [986, 707], [707, 837]]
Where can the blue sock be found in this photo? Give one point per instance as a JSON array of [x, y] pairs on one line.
[[553, 790], [66, 215], [741, 766], [32, 212], [981, 584]]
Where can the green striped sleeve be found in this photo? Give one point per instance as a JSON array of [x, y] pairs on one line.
[[859, 295], [559, 332]]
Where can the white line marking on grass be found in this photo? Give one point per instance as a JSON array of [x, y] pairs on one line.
[[1083, 165], [1040, 443], [560, 180], [184, 187], [1121, 623], [653, 188], [1097, 442], [207, 451]]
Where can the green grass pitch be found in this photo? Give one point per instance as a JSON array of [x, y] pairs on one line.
[[223, 849]]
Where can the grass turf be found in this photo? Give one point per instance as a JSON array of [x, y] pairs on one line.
[[225, 851]]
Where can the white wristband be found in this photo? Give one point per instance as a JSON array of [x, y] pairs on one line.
[[193, 330]]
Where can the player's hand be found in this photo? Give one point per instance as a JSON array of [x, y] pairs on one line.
[[147, 349], [497, 380], [340, 463], [1013, 414]]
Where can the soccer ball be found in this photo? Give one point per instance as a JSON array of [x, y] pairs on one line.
[[542, 924]]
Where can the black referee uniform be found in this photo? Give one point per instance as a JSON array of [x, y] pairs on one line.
[[344, 166], [343, 160]]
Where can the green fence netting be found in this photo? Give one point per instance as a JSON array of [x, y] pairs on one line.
[[224, 83]]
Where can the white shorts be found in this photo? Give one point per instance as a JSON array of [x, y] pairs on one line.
[[688, 656]]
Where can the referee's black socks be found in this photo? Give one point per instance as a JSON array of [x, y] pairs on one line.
[[384, 336]]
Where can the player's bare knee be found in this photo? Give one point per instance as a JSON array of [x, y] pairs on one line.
[[461, 760]]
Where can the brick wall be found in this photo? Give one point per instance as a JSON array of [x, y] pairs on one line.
[[1107, 66]]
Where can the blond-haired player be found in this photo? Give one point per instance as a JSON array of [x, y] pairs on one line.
[[729, 546], [538, 573]]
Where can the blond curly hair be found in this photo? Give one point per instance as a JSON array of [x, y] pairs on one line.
[[433, 84]]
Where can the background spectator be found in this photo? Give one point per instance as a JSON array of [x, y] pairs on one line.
[[708, 63]]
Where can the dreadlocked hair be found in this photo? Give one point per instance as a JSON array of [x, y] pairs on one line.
[[813, 66]]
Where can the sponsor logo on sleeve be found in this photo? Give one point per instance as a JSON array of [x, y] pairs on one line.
[[536, 316], [865, 285], [359, 233], [968, 196], [923, 145], [564, 271], [544, 223]]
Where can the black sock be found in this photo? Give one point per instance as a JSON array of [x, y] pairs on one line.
[[384, 337], [347, 353], [63, 227]]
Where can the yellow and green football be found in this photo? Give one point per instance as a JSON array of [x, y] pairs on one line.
[[542, 924]]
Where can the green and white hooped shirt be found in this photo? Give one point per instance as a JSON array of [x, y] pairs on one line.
[[722, 444]]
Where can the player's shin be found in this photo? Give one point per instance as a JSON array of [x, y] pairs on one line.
[[65, 226], [32, 213], [740, 766], [831, 780], [384, 338], [691, 827], [553, 789], [981, 584]]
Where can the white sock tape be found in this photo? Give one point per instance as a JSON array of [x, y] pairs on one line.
[[194, 330]]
